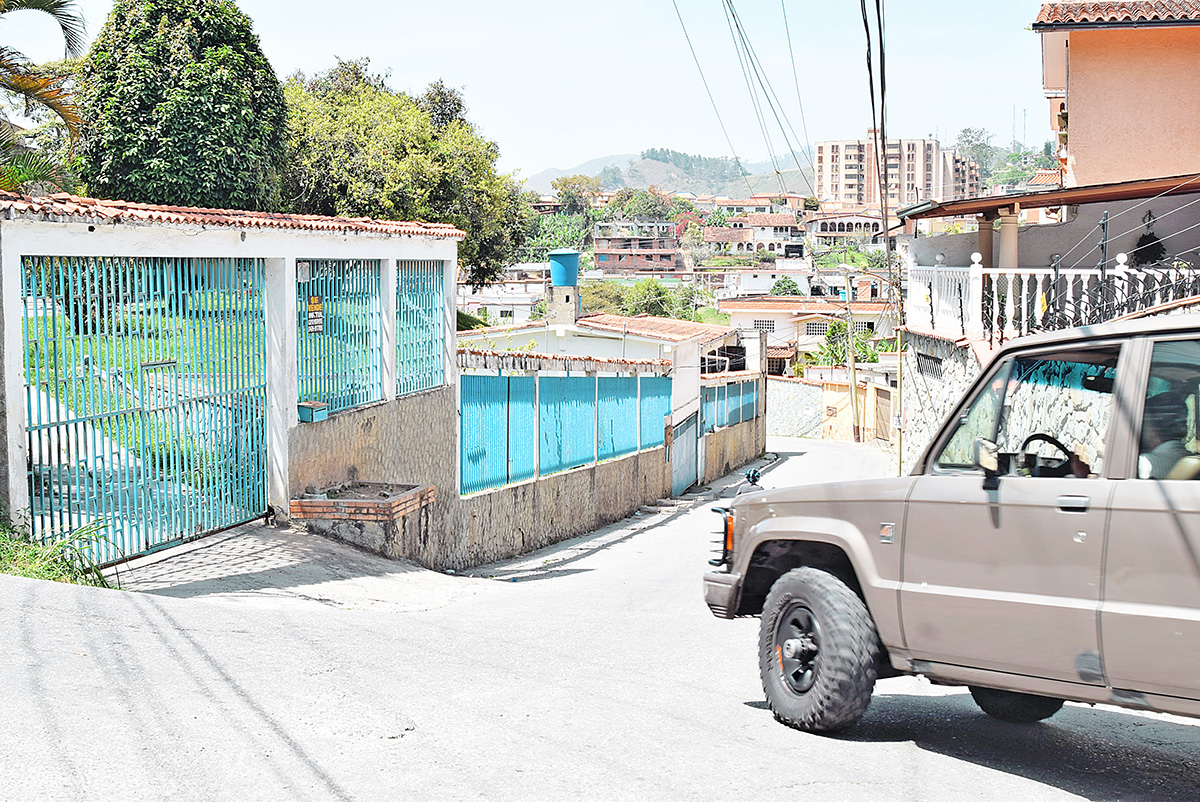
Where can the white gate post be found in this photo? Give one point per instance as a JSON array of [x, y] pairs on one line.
[[283, 392], [14, 407]]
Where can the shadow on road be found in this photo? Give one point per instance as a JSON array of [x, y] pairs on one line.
[[1099, 754]]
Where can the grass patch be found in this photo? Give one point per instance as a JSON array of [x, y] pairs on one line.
[[64, 561], [706, 314]]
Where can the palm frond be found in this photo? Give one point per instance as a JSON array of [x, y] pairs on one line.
[[48, 91], [65, 13], [20, 167]]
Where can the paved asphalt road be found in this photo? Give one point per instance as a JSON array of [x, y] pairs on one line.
[[264, 665]]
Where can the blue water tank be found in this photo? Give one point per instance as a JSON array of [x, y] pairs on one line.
[[564, 267]]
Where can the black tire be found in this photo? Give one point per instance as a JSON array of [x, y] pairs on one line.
[[1013, 707], [817, 651]]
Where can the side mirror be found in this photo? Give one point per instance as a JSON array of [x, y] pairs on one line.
[[987, 459]]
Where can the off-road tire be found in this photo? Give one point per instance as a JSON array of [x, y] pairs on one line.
[[842, 669], [1013, 707]]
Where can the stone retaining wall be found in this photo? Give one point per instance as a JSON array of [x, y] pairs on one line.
[[927, 398], [794, 407]]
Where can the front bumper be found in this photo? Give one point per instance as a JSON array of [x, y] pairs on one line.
[[721, 592]]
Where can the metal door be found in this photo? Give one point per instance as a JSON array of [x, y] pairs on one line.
[[145, 390], [883, 415], [683, 455]]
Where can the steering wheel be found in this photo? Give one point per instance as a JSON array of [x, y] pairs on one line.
[[1061, 468]]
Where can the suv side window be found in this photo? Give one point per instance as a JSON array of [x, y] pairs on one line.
[[1167, 449], [1064, 397]]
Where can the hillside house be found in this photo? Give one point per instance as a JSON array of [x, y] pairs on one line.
[[1123, 94]]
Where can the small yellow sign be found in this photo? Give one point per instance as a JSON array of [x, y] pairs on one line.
[[316, 314]]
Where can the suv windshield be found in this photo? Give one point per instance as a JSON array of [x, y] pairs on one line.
[[1042, 405]]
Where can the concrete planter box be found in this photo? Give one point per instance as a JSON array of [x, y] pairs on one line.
[[371, 515]]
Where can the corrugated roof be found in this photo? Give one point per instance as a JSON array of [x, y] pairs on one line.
[[658, 328], [1046, 177], [1161, 12], [62, 207], [762, 220], [1096, 193]]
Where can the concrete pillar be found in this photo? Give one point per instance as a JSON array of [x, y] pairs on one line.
[[562, 305], [283, 392], [15, 446], [387, 328], [985, 240], [1008, 239]]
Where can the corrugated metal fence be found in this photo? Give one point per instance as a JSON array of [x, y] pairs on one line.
[[516, 427], [729, 404]]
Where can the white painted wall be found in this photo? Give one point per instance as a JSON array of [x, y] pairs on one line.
[[280, 248]]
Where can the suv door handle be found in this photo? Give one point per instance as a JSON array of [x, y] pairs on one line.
[[1073, 503]]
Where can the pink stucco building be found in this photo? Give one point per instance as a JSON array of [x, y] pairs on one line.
[[1123, 88]]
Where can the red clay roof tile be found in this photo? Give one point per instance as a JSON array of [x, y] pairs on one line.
[[62, 205], [658, 328], [1053, 14]]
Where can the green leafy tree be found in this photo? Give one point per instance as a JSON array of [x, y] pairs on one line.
[[558, 231], [687, 300], [833, 351], [601, 296], [611, 178], [786, 285], [976, 145], [575, 192], [680, 206], [180, 106], [357, 148], [811, 204], [648, 297], [717, 218], [638, 204], [38, 93]]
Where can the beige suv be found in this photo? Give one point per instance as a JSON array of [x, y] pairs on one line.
[[1045, 547]]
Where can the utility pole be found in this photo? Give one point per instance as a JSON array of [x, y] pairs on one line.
[[855, 430]]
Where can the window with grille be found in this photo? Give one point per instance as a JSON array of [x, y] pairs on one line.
[[929, 366], [816, 328], [765, 325], [420, 326], [863, 325]]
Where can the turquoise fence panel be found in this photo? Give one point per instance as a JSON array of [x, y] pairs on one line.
[[709, 408], [723, 405], [420, 326], [656, 406], [522, 428], [566, 423], [617, 416], [339, 350], [735, 404], [484, 430], [145, 392], [749, 400]]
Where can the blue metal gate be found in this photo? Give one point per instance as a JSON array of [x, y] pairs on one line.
[[683, 455], [145, 395]]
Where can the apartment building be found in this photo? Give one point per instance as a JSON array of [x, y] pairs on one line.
[[918, 170], [623, 245]]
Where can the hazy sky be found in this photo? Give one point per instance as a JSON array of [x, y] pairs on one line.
[[558, 83]]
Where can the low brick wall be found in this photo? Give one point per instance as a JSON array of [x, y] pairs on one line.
[[379, 525], [728, 448]]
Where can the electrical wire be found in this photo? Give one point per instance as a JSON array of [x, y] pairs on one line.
[[762, 123], [711, 100], [742, 41], [799, 102]]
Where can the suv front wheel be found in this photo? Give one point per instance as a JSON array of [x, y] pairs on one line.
[[817, 651]]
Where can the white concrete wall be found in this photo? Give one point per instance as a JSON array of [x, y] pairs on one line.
[[278, 247]]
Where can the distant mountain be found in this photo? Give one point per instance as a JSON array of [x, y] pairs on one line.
[[540, 182], [682, 172]]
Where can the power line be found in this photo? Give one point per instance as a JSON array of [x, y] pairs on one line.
[[711, 100], [796, 81], [769, 94], [762, 123]]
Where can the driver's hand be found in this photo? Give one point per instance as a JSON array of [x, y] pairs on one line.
[[1079, 468]]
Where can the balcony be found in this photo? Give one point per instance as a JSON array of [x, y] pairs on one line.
[[1001, 304]]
